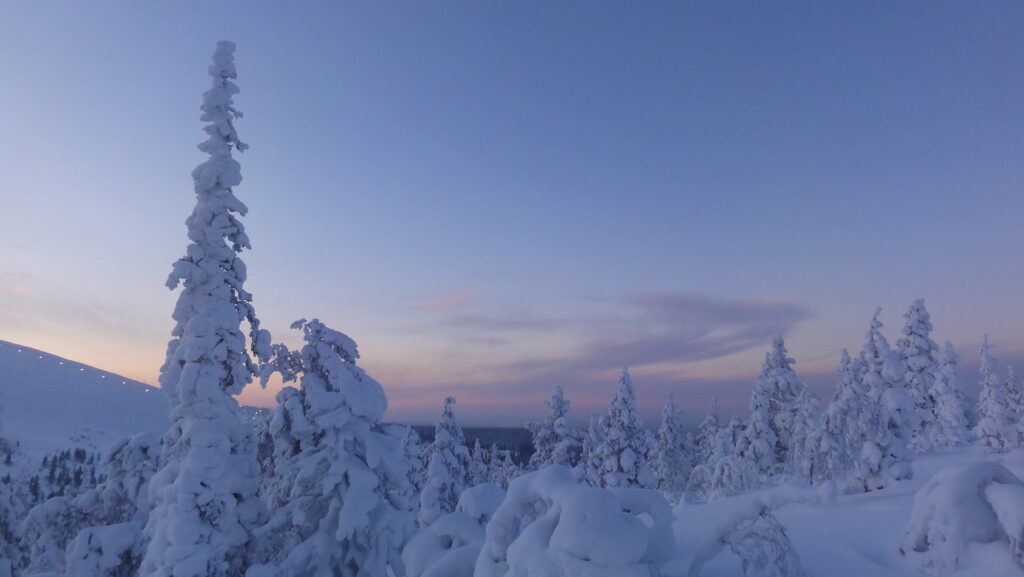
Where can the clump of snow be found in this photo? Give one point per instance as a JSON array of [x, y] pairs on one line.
[[450, 545], [551, 525], [978, 503]]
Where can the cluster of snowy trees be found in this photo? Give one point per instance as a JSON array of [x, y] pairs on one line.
[[889, 404]]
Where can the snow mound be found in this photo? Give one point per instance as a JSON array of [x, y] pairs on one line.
[[48, 403], [977, 503], [550, 525]]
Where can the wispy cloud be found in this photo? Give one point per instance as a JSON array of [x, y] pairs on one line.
[[449, 301], [655, 331], [13, 283]]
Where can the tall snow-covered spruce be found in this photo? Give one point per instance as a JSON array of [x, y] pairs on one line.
[[347, 511], [447, 468], [671, 466], [769, 435], [952, 422], [995, 428], [890, 458], [918, 350], [626, 446], [204, 495], [554, 440]]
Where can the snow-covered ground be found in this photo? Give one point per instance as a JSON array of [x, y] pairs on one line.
[[854, 536], [48, 403]]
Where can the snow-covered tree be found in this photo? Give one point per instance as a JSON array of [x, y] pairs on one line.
[[626, 445], [1014, 397], [554, 440], [204, 495], [729, 438], [707, 433], [809, 452], [952, 425], [347, 511], [14, 499], [415, 454], [447, 471], [590, 458], [758, 442], [671, 467], [772, 410], [121, 499], [918, 351], [478, 470], [503, 469], [883, 377], [847, 419], [995, 428]]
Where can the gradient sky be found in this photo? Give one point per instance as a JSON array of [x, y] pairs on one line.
[[494, 198]]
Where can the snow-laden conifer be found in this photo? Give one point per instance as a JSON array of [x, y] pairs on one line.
[[809, 452], [706, 438], [346, 512], [479, 468], [847, 418], [883, 377], [626, 445], [204, 495], [952, 425], [671, 466], [590, 458], [772, 410], [447, 469], [918, 352], [415, 454], [995, 428], [554, 440]]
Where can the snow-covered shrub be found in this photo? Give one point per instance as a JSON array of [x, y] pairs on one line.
[[730, 475], [747, 526], [758, 539], [977, 503], [449, 546], [107, 551], [551, 525]]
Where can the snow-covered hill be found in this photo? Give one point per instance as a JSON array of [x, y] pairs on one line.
[[48, 402]]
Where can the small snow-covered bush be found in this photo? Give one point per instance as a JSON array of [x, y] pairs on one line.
[[753, 533], [728, 476], [551, 525], [450, 545], [977, 503], [109, 551]]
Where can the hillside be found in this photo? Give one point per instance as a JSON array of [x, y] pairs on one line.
[[48, 402]]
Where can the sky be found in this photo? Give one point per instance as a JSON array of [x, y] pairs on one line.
[[495, 198]]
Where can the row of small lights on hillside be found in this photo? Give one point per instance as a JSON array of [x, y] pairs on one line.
[[82, 370]]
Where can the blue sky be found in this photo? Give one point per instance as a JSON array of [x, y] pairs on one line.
[[495, 198]]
